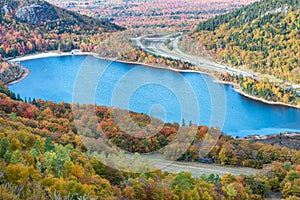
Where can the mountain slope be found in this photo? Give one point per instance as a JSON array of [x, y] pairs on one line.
[[37, 26], [247, 14], [263, 37], [40, 12]]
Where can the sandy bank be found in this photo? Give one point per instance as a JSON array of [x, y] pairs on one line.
[[49, 54], [26, 71]]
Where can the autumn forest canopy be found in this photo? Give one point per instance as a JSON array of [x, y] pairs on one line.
[[263, 36], [44, 156]]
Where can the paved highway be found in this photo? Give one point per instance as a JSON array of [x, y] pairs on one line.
[[155, 44]]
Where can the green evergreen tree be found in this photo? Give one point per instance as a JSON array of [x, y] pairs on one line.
[[48, 145], [7, 156], [4, 147], [35, 151], [183, 122], [16, 157]]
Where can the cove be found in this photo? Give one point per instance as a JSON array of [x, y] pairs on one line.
[[168, 95]]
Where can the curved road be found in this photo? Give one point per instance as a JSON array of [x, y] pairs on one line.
[[156, 45]]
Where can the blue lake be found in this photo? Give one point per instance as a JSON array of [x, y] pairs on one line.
[[168, 95]]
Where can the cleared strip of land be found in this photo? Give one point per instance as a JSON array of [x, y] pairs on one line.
[[197, 169]]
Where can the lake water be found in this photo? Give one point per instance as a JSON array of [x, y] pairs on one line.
[[165, 94]]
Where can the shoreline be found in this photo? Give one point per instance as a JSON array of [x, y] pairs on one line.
[[238, 89], [284, 139], [48, 55], [25, 73], [215, 79]]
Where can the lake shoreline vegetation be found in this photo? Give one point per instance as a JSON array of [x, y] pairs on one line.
[[10, 72]]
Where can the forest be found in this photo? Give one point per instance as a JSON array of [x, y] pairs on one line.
[[177, 15], [263, 88], [141, 56], [42, 157], [262, 37], [9, 71], [59, 29]]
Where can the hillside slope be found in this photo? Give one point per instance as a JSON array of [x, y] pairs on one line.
[[263, 37], [42, 157], [37, 26], [174, 14], [41, 13]]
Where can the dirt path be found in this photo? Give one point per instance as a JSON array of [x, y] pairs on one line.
[[197, 169]]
